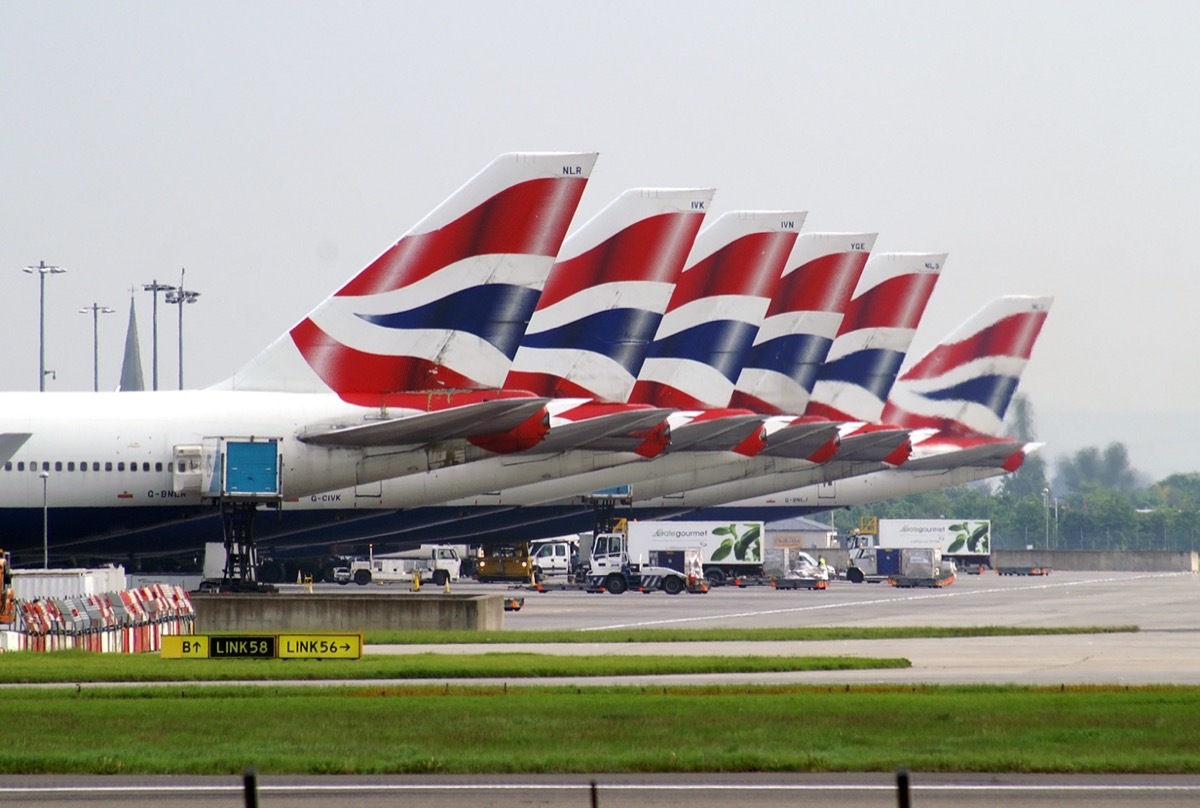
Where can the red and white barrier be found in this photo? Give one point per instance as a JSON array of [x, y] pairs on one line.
[[127, 621]]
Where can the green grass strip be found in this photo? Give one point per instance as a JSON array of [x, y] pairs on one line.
[[724, 634], [478, 729], [81, 666]]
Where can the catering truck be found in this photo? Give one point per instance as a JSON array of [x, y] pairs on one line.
[[900, 566], [613, 569], [727, 549], [966, 542]]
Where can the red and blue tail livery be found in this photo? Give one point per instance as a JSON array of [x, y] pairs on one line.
[[964, 385], [446, 305], [716, 309], [801, 322], [606, 295], [875, 336]]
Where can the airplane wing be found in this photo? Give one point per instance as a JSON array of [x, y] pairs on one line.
[[986, 452], [723, 433], [803, 440], [468, 421], [10, 442], [880, 444], [622, 431]]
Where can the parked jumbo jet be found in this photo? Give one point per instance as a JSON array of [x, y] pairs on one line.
[[963, 387], [699, 351], [364, 388]]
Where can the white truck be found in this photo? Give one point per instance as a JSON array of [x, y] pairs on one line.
[[612, 568], [902, 566], [434, 563], [554, 557], [966, 542], [727, 549]]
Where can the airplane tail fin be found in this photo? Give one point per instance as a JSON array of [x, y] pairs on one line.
[[963, 386], [801, 322], [445, 306], [606, 294], [716, 309], [875, 335]]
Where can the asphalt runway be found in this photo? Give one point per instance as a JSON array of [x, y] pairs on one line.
[[1165, 649]]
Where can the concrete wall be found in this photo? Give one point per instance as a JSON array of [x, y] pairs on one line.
[[332, 612], [1099, 560]]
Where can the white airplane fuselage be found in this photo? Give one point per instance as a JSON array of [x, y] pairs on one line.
[[119, 449]]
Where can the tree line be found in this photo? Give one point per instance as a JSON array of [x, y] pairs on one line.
[[1094, 500]]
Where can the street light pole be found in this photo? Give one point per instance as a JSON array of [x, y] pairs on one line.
[[96, 309], [42, 269], [178, 297], [1046, 508], [45, 475], [154, 287]]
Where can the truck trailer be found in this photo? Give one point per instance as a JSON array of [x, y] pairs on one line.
[[728, 550], [966, 542]]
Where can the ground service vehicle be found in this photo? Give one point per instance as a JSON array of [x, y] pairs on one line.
[[611, 570], [789, 562], [504, 562], [908, 566], [432, 563], [727, 549], [554, 556], [968, 542], [8, 600]]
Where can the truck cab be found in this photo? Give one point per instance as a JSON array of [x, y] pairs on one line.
[[610, 570], [554, 557]]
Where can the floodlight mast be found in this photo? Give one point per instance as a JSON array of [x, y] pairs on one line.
[[96, 309], [42, 270], [178, 297], [154, 287]]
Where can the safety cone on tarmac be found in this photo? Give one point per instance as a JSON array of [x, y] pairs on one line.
[[446, 588], [299, 580]]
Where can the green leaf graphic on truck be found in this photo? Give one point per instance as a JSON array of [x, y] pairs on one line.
[[974, 538], [745, 547]]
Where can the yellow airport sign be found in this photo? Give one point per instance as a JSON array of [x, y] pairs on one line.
[[192, 646], [319, 646], [262, 646]]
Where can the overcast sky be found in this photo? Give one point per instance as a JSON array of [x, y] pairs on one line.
[[273, 149]]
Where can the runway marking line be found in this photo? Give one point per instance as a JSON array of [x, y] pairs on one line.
[[941, 593]]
